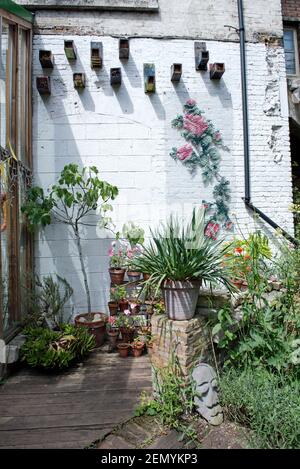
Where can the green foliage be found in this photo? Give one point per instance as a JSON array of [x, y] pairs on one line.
[[267, 403], [174, 399], [46, 299], [179, 252], [118, 293], [133, 233], [48, 349], [76, 194], [268, 333]]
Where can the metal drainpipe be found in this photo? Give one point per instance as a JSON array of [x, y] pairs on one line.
[[247, 197]]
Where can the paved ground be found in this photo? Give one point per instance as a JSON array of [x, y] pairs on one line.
[[74, 408]]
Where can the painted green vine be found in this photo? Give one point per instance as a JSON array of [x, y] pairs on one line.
[[202, 151]]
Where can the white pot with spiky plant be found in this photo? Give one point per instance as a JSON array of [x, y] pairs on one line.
[[178, 259]]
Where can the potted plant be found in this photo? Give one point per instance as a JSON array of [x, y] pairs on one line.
[[113, 304], [123, 349], [179, 258], [117, 269], [137, 347], [241, 255], [135, 237], [112, 332], [119, 294], [149, 344], [125, 323], [78, 193]]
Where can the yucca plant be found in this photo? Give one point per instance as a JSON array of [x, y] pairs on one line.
[[180, 257]]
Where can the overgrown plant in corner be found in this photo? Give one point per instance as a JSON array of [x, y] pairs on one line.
[[179, 258], [78, 193]]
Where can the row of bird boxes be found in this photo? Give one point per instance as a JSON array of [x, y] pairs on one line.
[[216, 70]]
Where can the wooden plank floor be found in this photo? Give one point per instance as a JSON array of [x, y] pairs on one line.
[[74, 408]]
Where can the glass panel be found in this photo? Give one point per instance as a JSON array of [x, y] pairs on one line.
[[22, 118], [289, 48], [3, 61]]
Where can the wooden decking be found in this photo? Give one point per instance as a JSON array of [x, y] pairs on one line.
[[74, 408]]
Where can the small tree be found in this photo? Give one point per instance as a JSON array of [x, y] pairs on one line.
[[78, 192]]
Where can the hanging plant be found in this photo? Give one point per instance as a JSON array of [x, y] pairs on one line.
[[202, 151]]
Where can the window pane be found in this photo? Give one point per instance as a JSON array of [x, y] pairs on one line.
[[22, 118], [290, 54], [3, 61]]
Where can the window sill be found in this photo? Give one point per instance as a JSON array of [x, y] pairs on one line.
[[125, 5]]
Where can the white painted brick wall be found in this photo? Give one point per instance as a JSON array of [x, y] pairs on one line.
[[128, 135]]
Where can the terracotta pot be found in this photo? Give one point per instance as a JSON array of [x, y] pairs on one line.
[[113, 308], [240, 284], [117, 276], [127, 334], [113, 338], [133, 276], [97, 328], [123, 305], [137, 350], [123, 349], [180, 298]]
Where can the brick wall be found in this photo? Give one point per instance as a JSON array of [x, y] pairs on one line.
[[127, 134], [291, 9]]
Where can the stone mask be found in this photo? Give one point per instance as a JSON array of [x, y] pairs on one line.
[[207, 400]]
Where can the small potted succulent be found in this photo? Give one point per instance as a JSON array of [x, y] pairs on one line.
[[117, 264], [125, 323], [123, 349], [149, 344], [137, 347]]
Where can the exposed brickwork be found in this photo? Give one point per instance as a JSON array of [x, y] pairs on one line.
[[291, 9], [189, 339]]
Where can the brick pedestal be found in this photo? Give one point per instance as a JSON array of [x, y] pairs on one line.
[[189, 339]]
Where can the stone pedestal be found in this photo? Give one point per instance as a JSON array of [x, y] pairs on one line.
[[189, 340]]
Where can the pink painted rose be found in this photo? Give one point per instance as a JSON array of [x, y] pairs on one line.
[[197, 125], [191, 102], [184, 152], [218, 136], [212, 230]]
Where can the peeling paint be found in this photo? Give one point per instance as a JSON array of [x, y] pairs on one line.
[[274, 142]]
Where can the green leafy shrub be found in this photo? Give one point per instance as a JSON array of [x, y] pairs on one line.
[[48, 349], [46, 300], [182, 252], [267, 403]]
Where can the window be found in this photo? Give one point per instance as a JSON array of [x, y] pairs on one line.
[[291, 51], [15, 167]]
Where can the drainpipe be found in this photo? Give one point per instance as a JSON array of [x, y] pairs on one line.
[[247, 196]]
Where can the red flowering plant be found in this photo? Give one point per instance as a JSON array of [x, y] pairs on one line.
[[111, 324], [242, 255], [202, 151]]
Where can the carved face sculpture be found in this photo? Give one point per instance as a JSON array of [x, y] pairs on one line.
[[207, 400]]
